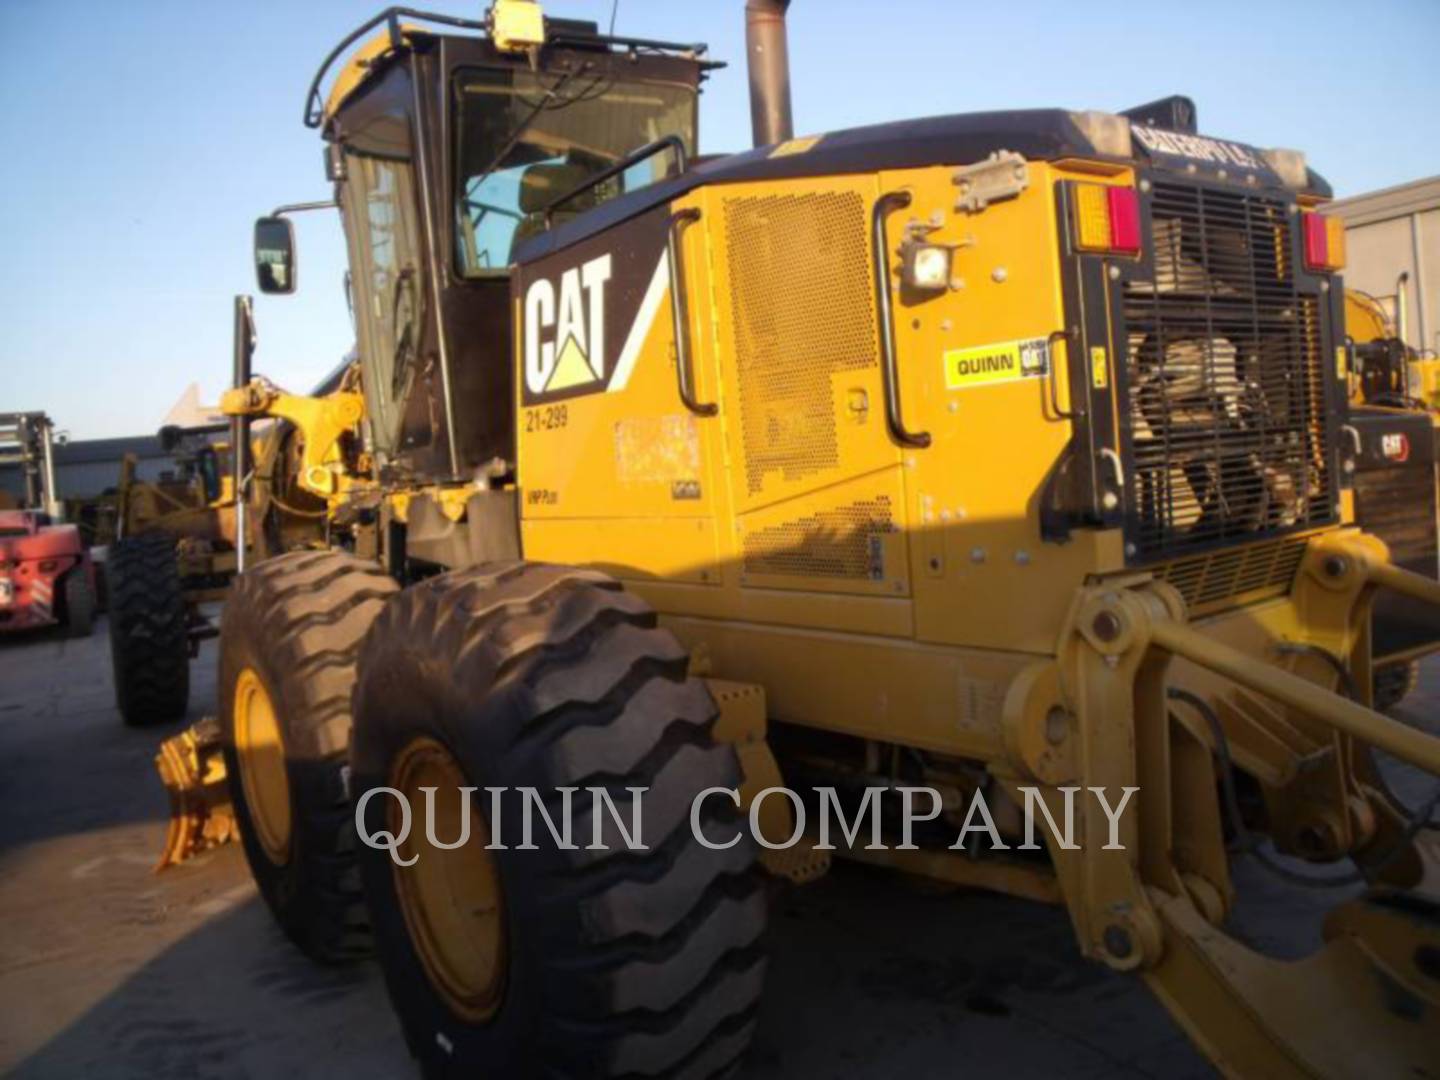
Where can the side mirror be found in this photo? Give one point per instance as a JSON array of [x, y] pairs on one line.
[[275, 255]]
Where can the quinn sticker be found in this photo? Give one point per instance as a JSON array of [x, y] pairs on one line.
[[1002, 362]]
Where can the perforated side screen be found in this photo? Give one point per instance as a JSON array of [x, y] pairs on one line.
[[842, 542], [802, 309]]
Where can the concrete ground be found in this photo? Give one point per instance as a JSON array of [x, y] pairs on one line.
[[107, 969]]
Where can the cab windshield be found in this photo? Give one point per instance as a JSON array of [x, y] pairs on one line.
[[525, 138]]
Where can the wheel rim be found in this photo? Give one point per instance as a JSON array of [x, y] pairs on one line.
[[261, 753], [451, 900]]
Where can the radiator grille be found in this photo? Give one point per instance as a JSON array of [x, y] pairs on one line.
[[1228, 434], [841, 542], [1235, 575], [801, 306]]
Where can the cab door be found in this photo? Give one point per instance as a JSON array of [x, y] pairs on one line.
[[379, 201], [617, 470], [813, 478]]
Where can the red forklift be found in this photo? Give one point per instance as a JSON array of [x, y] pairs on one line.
[[46, 575]]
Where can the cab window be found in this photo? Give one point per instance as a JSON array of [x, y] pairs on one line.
[[385, 268], [524, 138]]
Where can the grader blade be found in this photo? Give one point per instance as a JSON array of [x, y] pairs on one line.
[[193, 770], [1362, 1005]]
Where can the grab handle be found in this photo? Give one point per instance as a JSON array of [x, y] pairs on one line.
[[1054, 339], [890, 377], [680, 314]]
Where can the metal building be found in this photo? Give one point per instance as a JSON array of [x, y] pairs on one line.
[[85, 468], [1393, 237]]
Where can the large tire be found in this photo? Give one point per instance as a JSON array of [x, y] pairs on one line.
[[149, 644], [79, 604], [615, 963], [295, 623]]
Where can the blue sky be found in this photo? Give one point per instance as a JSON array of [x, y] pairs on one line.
[[142, 139]]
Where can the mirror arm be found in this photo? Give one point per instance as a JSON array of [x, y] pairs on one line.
[[280, 215], [300, 207]]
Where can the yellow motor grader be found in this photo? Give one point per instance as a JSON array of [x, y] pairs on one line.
[[1001, 456], [174, 551]]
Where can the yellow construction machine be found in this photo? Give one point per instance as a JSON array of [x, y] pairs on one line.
[[1001, 456], [173, 554], [1387, 371], [1395, 426]]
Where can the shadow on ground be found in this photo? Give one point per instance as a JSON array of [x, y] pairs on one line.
[[107, 969], [67, 763]]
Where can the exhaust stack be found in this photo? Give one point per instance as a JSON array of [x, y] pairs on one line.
[[768, 59]]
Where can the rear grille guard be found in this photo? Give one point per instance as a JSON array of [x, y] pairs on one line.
[[1223, 389]]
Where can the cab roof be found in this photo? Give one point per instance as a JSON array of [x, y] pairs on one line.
[[397, 29]]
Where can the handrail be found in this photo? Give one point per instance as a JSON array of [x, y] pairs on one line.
[[890, 378], [680, 314], [315, 105], [563, 35], [629, 161]]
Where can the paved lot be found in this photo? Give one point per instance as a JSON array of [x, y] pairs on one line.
[[107, 969]]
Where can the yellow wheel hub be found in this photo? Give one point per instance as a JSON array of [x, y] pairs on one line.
[[451, 900], [261, 753]]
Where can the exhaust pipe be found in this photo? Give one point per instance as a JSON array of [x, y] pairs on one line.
[[768, 59]]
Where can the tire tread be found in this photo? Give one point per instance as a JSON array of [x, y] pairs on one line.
[[669, 977]]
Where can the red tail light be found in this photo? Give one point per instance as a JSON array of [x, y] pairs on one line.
[[1124, 220], [1324, 241]]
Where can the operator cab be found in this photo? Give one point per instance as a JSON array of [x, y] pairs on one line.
[[447, 151]]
